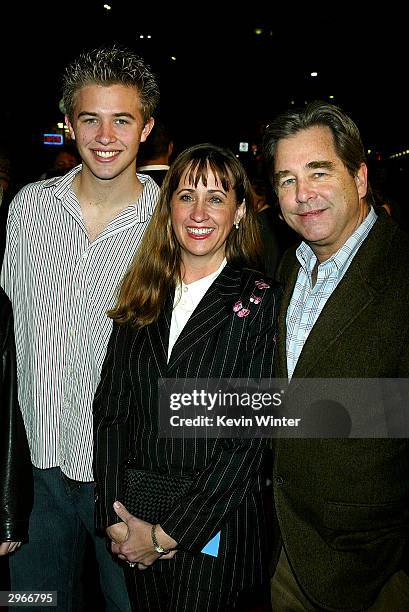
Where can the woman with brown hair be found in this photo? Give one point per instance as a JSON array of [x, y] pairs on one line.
[[190, 306]]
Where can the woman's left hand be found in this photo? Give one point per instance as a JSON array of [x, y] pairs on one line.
[[136, 545]]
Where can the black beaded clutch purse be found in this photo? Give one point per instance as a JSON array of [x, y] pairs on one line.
[[151, 495]]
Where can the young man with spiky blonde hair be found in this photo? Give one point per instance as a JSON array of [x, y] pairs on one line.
[[70, 241]]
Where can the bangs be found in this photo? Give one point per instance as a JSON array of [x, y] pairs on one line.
[[199, 170], [199, 162]]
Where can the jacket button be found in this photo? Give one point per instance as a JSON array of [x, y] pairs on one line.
[[279, 480]]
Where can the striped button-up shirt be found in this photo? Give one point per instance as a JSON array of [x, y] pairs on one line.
[[308, 299], [61, 286]]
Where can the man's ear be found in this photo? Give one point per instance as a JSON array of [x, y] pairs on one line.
[[69, 126], [147, 129], [361, 180]]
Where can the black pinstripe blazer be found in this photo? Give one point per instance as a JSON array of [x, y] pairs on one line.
[[227, 493]]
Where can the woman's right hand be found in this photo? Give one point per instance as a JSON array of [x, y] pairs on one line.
[[137, 547], [118, 533]]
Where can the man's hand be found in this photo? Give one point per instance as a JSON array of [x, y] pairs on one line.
[[132, 541], [8, 547]]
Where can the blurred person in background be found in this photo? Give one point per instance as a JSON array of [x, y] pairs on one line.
[[266, 219], [65, 159], [16, 480], [5, 196], [387, 188], [154, 154], [4, 175]]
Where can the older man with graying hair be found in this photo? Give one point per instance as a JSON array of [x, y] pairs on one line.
[[342, 504]]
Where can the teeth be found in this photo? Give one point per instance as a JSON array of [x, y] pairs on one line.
[[105, 153], [200, 231]]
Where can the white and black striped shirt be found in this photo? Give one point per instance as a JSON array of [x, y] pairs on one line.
[[61, 286]]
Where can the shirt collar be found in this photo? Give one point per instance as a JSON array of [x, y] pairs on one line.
[[342, 257], [143, 207], [153, 167], [197, 289], [62, 184], [206, 279]]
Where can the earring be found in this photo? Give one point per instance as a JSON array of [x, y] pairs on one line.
[[236, 225]]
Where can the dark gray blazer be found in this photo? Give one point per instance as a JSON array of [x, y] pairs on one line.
[[343, 504], [227, 493]]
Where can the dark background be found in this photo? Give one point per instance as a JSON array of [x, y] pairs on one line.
[[226, 81]]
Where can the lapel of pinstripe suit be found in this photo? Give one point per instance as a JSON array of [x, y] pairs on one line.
[[210, 314], [158, 336]]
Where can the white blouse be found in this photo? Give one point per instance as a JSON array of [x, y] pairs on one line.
[[187, 297]]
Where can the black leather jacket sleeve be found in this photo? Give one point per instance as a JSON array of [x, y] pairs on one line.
[[16, 482]]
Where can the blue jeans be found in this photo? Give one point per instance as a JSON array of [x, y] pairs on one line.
[[52, 560]]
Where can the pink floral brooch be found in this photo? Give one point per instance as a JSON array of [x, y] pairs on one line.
[[254, 299]]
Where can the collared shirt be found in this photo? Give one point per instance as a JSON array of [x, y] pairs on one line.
[[187, 298], [61, 286], [153, 167], [308, 300]]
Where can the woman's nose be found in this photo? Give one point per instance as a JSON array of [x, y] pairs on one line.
[[199, 211]]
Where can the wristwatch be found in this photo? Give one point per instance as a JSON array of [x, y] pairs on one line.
[[158, 548]]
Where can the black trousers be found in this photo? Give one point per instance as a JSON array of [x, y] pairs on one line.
[[184, 590]]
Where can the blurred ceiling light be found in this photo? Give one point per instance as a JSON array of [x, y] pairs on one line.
[[60, 125], [172, 57], [107, 7], [314, 74], [331, 97], [258, 31]]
